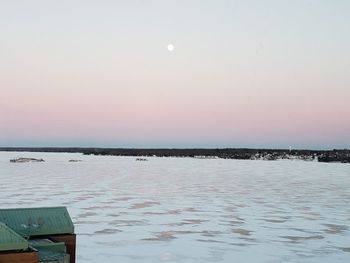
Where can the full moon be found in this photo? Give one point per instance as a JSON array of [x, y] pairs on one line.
[[171, 47]]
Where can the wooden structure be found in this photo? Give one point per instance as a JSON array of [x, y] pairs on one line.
[[19, 257]]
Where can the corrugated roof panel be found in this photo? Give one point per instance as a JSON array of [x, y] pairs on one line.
[[53, 257], [38, 221], [10, 240], [46, 244]]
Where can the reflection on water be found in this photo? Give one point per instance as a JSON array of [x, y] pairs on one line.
[[190, 210]]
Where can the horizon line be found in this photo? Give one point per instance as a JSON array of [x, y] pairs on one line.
[[166, 148]]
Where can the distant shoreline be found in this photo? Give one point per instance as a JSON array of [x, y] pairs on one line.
[[335, 155]]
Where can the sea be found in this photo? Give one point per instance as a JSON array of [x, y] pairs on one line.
[[187, 209]]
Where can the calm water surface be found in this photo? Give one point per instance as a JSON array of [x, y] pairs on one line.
[[190, 210]]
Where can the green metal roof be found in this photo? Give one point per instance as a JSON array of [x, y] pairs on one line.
[[49, 251], [10, 240], [48, 245], [53, 257], [38, 221]]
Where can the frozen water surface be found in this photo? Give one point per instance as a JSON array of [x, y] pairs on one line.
[[190, 210]]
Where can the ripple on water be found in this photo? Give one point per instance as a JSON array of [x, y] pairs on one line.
[[299, 239], [335, 229], [167, 236], [233, 222], [345, 249], [275, 220], [209, 233], [169, 212], [189, 222], [163, 236], [107, 231], [88, 222], [144, 205], [241, 231], [125, 223], [192, 209], [87, 214], [211, 241]]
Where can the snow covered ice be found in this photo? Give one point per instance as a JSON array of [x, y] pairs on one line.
[[189, 210]]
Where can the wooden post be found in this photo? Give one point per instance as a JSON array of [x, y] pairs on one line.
[[70, 241]]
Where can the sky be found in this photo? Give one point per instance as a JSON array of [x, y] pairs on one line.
[[247, 73]]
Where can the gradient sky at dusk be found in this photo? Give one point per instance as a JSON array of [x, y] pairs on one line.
[[243, 73]]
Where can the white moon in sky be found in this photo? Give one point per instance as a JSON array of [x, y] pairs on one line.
[[171, 47]]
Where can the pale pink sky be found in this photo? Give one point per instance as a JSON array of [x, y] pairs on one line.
[[242, 74]]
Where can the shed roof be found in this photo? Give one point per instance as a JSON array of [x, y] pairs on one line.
[[10, 240], [38, 221]]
